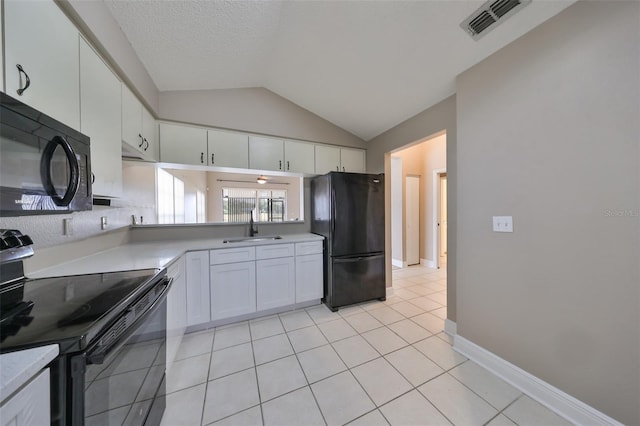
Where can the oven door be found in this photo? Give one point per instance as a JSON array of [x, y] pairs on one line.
[[123, 380]]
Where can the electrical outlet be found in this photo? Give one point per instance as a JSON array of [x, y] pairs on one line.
[[103, 222], [67, 226], [502, 223]]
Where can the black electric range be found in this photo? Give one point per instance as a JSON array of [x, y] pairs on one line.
[[70, 311], [100, 322]]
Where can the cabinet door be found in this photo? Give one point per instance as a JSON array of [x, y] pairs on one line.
[[101, 120], [275, 283], [149, 136], [233, 289], [352, 160], [40, 38], [198, 297], [228, 149], [327, 159], [183, 144], [266, 153], [31, 405], [299, 157], [176, 309], [131, 119], [309, 278]]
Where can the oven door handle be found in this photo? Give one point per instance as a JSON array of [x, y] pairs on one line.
[[99, 354]]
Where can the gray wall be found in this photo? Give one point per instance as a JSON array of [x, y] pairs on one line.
[[255, 110], [548, 131], [438, 118]]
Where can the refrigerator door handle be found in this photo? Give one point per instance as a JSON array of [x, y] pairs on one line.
[[353, 259]]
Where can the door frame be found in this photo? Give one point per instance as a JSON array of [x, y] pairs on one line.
[[435, 194], [406, 237]]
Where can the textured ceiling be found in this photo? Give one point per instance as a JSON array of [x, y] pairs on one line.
[[363, 65]]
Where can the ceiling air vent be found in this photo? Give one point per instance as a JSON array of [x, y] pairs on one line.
[[489, 15]]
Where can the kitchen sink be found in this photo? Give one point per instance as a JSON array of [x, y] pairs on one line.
[[246, 239]]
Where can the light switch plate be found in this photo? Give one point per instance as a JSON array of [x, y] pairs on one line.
[[502, 223]]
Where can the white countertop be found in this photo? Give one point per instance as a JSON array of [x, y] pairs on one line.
[[17, 368], [152, 255]]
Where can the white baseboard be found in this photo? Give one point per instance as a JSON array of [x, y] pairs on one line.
[[428, 263], [551, 397], [397, 262], [450, 327]]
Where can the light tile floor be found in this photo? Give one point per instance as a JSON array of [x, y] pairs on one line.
[[377, 363]]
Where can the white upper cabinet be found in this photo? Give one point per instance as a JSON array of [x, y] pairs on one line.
[[227, 149], [335, 159], [149, 135], [327, 159], [266, 153], [352, 160], [139, 129], [44, 43], [101, 120], [183, 144], [299, 157]]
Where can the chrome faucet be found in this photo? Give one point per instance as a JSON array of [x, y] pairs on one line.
[[252, 230]]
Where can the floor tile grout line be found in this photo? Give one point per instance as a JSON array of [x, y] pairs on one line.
[[255, 373], [206, 384], [305, 376]]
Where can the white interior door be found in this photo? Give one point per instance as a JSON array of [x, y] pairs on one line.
[[443, 215], [412, 223]]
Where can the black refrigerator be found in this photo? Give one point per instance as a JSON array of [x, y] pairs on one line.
[[348, 210]]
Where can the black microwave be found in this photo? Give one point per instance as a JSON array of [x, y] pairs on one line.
[[45, 166]]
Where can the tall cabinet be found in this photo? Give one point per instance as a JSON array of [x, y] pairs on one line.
[[100, 119]]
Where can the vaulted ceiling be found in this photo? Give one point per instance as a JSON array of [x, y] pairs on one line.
[[365, 66]]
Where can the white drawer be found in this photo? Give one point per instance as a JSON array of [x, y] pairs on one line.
[[232, 255], [275, 250], [310, 247]]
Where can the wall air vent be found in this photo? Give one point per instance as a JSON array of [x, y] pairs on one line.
[[489, 15]]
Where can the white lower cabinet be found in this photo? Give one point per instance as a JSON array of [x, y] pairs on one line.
[[275, 283], [198, 295], [231, 282], [309, 277], [176, 309], [30, 405], [233, 289]]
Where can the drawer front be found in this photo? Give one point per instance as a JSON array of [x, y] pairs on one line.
[[231, 255], [311, 247], [274, 251]]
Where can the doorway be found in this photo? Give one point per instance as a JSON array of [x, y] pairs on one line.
[[412, 224]]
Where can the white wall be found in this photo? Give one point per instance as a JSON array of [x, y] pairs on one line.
[[548, 131]]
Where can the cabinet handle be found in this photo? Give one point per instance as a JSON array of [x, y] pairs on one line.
[[343, 169], [26, 79], [141, 140], [288, 168], [93, 178], [213, 159], [280, 165], [202, 157], [147, 144], [337, 169]]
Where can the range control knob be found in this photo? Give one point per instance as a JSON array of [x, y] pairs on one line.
[[26, 240], [12, 241]]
